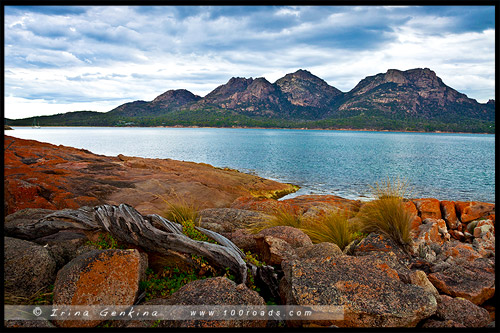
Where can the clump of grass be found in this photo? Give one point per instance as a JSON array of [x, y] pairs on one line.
[[333, 227], [44, 296], [186, 214], [182, 211], [387, 214], [283, 216]]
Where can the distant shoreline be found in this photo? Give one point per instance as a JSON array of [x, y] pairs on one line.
[[291, 128]]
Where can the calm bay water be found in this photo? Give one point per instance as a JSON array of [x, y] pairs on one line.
[[344, 163]]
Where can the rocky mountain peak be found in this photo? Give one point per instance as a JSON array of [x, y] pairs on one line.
[[260, 85], [399, 94], [419, 77], [234, 85], [396, 76], [424, 77], [176, 97], [302, 73], [302, 88]]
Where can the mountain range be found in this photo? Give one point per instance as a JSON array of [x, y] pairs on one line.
[[415, 99]]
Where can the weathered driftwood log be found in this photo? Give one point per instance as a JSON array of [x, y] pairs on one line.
[[127, 225]]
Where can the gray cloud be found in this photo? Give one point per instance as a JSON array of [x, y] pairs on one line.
[[137, 52]]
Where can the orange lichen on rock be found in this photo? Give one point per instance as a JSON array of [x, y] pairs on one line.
[[428, 208], [42, 175], [472, 210]]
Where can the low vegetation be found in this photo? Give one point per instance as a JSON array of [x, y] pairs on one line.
[[334, 227], [286, 216], [105, 242], [43, 296], [387, 214], [166, 282], [186, 214], [180, 211]]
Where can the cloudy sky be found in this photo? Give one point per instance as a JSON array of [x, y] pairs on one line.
[[60, 59]]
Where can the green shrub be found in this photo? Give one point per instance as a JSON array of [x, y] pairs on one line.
[[333, 227], [188, 228], [165, 283], [252, 258], [105, 242]]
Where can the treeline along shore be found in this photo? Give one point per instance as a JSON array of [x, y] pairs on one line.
[[82, 229]]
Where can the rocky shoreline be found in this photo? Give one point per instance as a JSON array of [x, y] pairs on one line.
[[61, 203]]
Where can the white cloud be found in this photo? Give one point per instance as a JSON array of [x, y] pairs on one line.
[[17, 108]]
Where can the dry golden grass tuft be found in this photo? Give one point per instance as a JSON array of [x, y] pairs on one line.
[[283, 216], [387, 214], [334, 227]]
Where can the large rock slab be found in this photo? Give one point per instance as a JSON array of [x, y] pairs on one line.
[[412, 209], [309, 205], [370, 291], [459, 251], [41, 175], [243, 239], [432, 323], [264, 205], [28, 267], [214, 291], [64, 245], [324, 249], [473, 210], [314, 205], [474, 280], [39, 323], [378, 243], [99, 277], [462, 311], [272, 250], [230, 219], [293, 236], [428, 208]]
